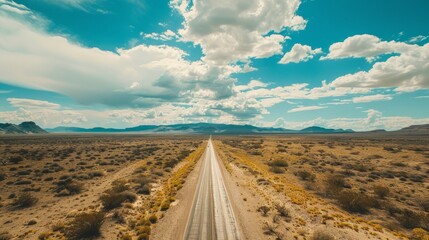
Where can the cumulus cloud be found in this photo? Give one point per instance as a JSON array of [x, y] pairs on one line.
[[365, 46], [140, 76], [374, 120], [236, 31], [305, 108], [372, 98], [405, 72], [31, 103], [299, 53]]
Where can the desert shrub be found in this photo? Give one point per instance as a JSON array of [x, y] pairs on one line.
[[94, 174], [16, 159], [112, 199], [322, 235], [306, 175], [118, 217], [277, 170], [165, 206], [85, 225], [264, 210], [334, 184], [283, 211], [279, 163], [354, 201], [424, 204], [23, 182], [381, 191], [145, 189], [410, 219], [2, 176], [392, 209], [153, 218], [67, 186], [269, 229], [144, 183], [5, 236], [120, 186], [25, 200]]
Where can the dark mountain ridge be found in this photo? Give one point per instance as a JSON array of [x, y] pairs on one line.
[[197, 128], [23, 128]]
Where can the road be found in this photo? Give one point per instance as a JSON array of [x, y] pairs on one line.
[[211, 215]]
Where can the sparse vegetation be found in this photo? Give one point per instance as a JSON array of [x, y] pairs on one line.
[[322, 234], [283, 212], [264, 210], [72, 170], [381, 191], [25, 200], [85, 225], [334, 184], [374, 178], [306, 175], [277, 170], [354, 201], [5, 236]]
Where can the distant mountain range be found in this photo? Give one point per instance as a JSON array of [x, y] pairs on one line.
[[424, 128], [23, 128], [192, 128], [197, 128]]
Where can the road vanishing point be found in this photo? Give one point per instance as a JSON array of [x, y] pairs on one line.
[[211, 215]]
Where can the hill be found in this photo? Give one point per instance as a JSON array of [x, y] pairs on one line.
[[23, 128], [196, 128], [316, 129], [424, 128]]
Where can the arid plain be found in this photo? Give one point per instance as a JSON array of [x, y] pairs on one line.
[[331, 186]]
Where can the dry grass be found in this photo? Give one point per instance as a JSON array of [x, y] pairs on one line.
[[69, 173], [381, 176], [85, 225]]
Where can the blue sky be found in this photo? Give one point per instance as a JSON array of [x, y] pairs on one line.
[[289, 63]]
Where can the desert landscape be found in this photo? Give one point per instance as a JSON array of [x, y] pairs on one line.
[[52, 186], [293, 186]]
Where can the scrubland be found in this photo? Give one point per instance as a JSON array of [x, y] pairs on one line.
[[359, 186], [90, 186]]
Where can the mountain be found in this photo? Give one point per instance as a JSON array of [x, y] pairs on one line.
[[23, 128], [424, 128], [196, 128], [316, 129]]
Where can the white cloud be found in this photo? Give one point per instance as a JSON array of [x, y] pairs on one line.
[[406, 72], [31, 103], [251, 85], [299, 53], [140, 76], [305, 108], [372, 98], [419, 38], [236, 31], [374, 120], [165, 36], [79, 4], [364, 46]]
